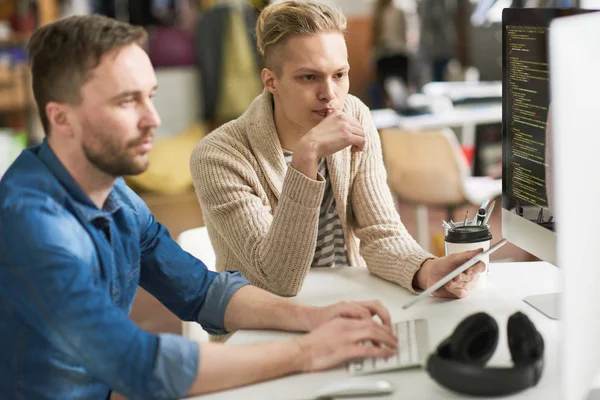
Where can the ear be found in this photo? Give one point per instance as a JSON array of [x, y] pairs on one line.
[[59, 118], [269, 80]]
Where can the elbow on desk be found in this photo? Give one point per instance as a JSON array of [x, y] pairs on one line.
[[282, 285], [278, 278], [286, 289]]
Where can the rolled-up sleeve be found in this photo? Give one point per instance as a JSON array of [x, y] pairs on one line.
[[176, 365], [222, 288]]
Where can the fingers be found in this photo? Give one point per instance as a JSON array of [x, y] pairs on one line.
[[463, 283], [370, 330], [463, 257], [356, 136], [376, 308], [354, 310], [359, 351]]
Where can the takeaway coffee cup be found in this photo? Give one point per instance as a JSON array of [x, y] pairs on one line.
[[470, 237]]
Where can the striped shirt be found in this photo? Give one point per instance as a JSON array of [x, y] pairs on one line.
[[330, 250]]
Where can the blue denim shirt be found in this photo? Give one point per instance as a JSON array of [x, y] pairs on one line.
[[68, 275]]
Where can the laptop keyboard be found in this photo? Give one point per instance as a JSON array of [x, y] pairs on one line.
[[413, 347]]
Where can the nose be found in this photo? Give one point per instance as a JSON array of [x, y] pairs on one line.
[[326, 91], [150, 117]]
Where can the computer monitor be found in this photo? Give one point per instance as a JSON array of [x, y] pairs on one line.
[[575, 84], [528, 215]]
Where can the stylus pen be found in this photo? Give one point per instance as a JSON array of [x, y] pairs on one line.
[[480, 216], [485, 203], [454, 274], [488, 214], [540, 217]]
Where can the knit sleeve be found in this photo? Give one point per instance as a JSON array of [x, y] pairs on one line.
[[275, 249], [388, 249]]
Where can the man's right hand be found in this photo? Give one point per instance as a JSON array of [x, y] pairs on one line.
[[342, 340], [335, 132]]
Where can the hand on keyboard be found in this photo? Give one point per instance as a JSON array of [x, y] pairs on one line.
[[411, 351], [340, 340]]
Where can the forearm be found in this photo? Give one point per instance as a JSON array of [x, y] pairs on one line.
[[284, 256], [386, 245], [228, 366], [276, 251], [306, 162], [398, 265], [254, 308]]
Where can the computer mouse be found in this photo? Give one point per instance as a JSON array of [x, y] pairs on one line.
[[355, 387]]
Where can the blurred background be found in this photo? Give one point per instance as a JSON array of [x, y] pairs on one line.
[[432, 67]]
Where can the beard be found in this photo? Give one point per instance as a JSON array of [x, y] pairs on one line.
[[117, 159]]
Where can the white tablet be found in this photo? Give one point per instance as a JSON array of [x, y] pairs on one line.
[[454, 274]]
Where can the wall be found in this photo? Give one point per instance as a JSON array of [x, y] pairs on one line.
[[178, 99], [358, 39]]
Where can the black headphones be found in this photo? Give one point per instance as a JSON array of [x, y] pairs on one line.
[[459, 361]]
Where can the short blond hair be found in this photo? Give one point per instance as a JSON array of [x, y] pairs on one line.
[[285, 19]]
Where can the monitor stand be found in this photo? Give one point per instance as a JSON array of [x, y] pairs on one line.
[[548, 304]]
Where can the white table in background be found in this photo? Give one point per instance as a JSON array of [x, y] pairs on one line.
[[466, 116], [508, 284]]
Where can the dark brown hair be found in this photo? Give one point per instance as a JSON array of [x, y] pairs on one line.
[[62, 54]]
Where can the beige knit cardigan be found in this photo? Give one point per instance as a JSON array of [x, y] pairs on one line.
[[262, 217]]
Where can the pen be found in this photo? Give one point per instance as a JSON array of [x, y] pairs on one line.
[[488, 213], [484, 204], [446, 225], [466, 218], [452, 223], [480, 215], [540, 217]]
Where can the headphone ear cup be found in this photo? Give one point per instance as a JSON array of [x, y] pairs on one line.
[[524, 341], [475, 339], [443, 349]]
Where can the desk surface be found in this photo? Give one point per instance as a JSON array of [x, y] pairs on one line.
[[507, 284], [473, 114]]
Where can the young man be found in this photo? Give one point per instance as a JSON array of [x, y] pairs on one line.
[[75, 243], [298, 180]]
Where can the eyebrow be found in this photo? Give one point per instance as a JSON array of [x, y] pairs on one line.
[[317, 72], [128, 93]]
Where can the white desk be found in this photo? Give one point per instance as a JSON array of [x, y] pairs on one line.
[[507, 284], [465, 116]]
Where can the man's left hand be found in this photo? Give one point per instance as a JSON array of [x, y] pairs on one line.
[[317, 316]]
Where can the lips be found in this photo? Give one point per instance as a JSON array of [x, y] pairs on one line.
[[145, 144], [323, 112]]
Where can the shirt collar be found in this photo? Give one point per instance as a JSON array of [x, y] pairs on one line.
[[82, 201]]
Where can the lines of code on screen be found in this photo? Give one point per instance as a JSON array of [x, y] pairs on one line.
[[528, 101]]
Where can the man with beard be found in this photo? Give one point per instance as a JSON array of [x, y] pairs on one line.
[[75, 242]]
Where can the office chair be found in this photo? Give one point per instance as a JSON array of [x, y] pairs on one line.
[[196, 242], [428, 169]]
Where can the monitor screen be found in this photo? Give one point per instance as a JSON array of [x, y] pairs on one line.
[[527, 190]]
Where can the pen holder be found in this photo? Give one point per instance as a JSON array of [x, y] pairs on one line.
[[462, 238]]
